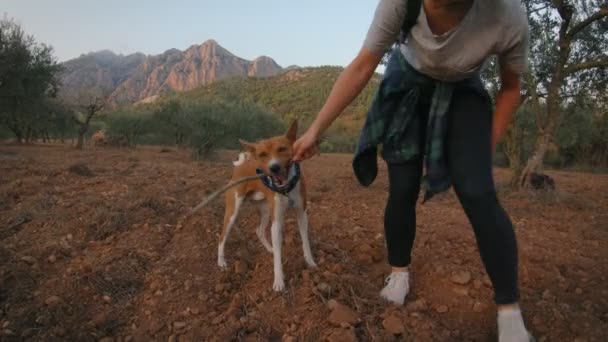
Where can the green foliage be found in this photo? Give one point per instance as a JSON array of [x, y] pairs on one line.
[[28, 78], [582, 138], [129, 125], [202, 126]]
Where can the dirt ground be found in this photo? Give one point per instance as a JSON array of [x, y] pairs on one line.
[[93, 247]]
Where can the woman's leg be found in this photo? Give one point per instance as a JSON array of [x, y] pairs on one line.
[[400, 226], [400, 212], [470, 163]]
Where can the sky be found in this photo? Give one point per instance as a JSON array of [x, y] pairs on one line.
[[304, 33]]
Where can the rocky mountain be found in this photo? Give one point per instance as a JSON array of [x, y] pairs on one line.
[[140, 78]]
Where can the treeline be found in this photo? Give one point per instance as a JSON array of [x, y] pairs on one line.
[[580, 142], [202, 126]]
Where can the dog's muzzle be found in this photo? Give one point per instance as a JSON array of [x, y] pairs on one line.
[[279, 184]]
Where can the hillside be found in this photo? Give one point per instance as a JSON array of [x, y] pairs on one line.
[[296, 93], [137, 77]]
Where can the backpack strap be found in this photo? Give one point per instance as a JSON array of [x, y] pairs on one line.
[[411, 16]]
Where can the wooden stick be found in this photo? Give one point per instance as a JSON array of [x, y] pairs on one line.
[[221, 191]]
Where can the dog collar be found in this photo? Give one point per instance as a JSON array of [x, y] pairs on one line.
[[293, 177]]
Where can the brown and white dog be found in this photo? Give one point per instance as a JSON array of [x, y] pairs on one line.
[[273, 156]]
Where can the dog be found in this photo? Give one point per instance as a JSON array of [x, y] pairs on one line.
[[282, 187]]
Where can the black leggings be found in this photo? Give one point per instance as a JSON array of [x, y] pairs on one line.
[[468, 148]]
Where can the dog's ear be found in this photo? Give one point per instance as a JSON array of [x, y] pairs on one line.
[[292, 131], [247, 146]]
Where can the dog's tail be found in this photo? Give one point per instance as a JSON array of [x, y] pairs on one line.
[[243, 156]]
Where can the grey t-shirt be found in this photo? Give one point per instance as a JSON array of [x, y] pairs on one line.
[[490, 27]]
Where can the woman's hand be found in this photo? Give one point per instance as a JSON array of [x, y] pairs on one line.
[[306, 146]]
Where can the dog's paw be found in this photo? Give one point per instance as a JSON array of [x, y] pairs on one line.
[[279, 285], [221, 262]]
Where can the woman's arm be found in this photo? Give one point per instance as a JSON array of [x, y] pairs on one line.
[[507, 102], [347, 87], [382, 32]]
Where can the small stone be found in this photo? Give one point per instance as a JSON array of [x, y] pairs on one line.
[[442, 309], [30, 260], [417, 305], [461, 278], [287, 338], [341, 335], [332, 304], [147, 312], [461, 290], [172, 338], [342, 314], [60, 331], [179, 325], [52, 259], [195, 311], [479, 306], [365, 248], [393, 325], [52, 300], [158, 293], [486, 281], [306, 276], [187, 284], [235, 305], [70, 237], [106, 299], [578, 291], [240, 267], [324, 288]]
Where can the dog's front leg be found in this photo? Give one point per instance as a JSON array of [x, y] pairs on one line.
[[302, 217], [280, 206]]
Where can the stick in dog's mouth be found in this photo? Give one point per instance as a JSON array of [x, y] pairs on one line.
[[280, 179], [222, 190]]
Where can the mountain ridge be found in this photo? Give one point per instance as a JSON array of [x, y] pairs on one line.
[[128, 79]]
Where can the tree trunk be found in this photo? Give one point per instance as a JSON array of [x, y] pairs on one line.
[[81, 132], [28, 136], [535, 162], [80, 143], [514, 152]]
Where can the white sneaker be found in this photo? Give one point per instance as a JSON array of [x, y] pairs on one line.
[[397, 287], [511, 327]]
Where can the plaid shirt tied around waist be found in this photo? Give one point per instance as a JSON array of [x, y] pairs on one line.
[[394, 123]]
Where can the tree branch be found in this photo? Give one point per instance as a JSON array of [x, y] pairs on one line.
[[603, 12], [538, 9], [602, 63], [80, 123]]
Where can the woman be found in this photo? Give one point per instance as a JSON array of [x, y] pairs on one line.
[[431, 110]]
